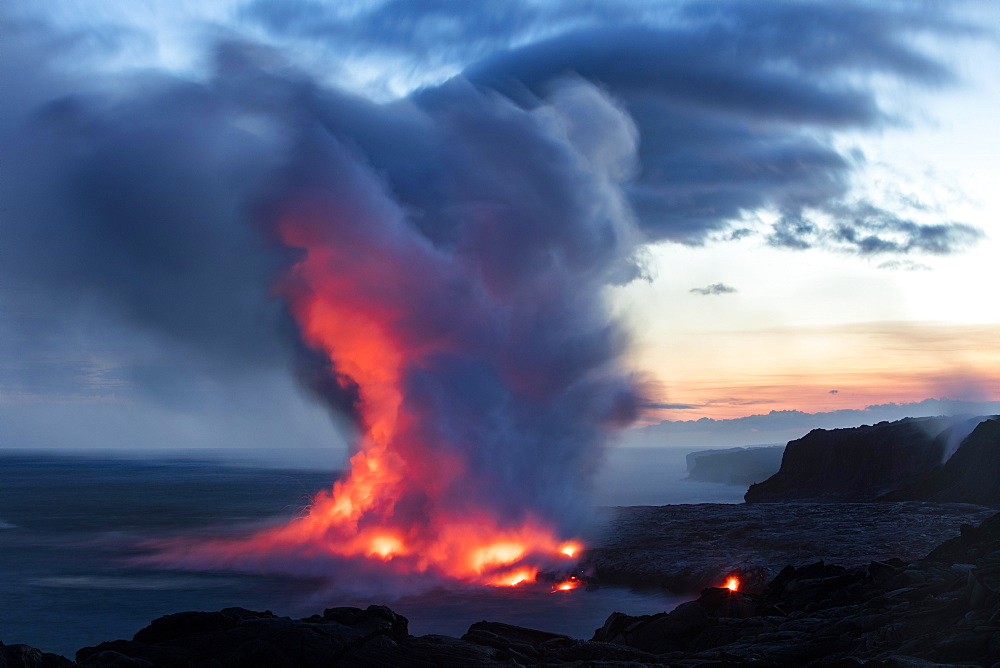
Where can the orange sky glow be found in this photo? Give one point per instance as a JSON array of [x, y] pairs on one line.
[[724, 375]]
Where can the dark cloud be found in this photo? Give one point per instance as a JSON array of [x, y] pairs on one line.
[[866, 229], [408, 25], [133, 212], [428, 33], [682, 69], [834, 392], [793, 230], [669, 407], [713, 289], [735, 105], [129, 214]]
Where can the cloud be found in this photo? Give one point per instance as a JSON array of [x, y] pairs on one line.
[[782, 426], [834, 392], [669, 407], [866, 229], [713, 289], [903, 265], [429, 35], [736, 104], [128, 228]]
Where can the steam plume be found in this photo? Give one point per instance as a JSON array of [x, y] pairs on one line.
[[467, 250], [446, 259]]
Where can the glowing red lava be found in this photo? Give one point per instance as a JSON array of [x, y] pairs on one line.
[[733, 583], [570, 549], [568, 584]]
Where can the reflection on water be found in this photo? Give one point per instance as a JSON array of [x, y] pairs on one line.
[[68, 525]]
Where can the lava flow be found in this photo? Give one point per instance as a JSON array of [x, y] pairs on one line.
[[733, 583]]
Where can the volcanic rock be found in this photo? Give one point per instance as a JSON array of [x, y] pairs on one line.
[[861, 463], [930, 611], [687, 548], [376, 636], [971, 474], [518, 645], [239, 637], [735, 466], [23, 656]]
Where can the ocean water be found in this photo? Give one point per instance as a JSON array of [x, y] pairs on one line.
[[69, 525]]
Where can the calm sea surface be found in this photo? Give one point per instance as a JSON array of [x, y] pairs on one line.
[[68, 525]]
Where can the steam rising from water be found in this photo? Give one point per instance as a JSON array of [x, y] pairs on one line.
[[473, 303]]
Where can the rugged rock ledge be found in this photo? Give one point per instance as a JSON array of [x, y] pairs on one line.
[[869, 462], [940, 609], [971, 475]]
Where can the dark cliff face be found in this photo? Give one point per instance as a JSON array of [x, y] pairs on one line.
[[971, 475], [735, 466], [862, 463]]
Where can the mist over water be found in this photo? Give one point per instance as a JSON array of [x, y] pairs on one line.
[[656, 477]]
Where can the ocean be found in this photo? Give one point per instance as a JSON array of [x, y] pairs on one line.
[[69, 525]]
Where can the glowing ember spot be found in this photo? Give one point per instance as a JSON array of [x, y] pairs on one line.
[[385, 546], [569, 549], [733, 583], [567, 585], [514, 578], [497, 554]]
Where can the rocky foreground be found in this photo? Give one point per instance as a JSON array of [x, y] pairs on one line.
[[941, 609]]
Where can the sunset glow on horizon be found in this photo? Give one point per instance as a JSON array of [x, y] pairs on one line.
[[813, 336]]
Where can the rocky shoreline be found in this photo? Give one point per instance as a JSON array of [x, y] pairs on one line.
[[942, 607]]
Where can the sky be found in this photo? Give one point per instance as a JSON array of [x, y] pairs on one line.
[[801, 196]]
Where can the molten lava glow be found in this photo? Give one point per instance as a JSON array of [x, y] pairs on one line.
[[567, 585], [406, 502], [385, 546], [733, 583], [514, 578], [569, 549]]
